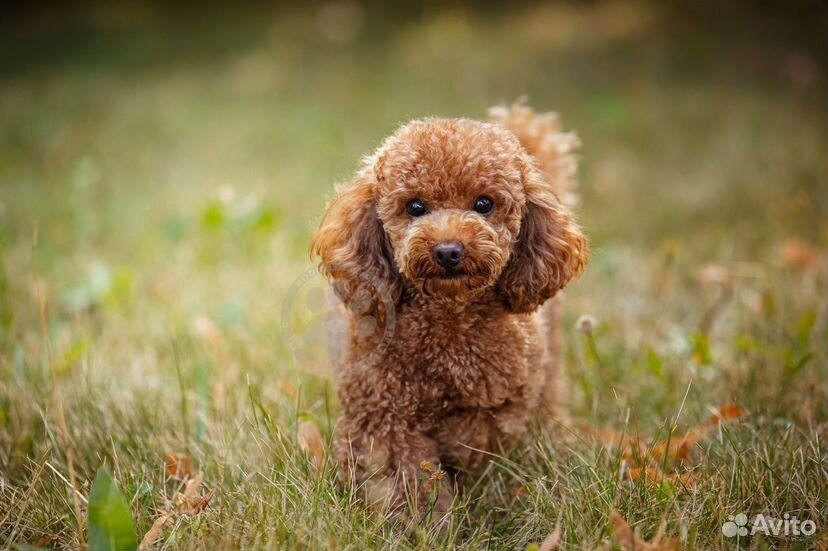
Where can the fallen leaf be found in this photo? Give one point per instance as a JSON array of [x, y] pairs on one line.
[[727, 411], [518, 491], [155, 532], [44, 540], [195, 505], [653, 474], [680, 445], [552, 540], [637, 451], [630, 541], [656, 475], [192, 486], [179, 465], [623, 533], [185, 503], [310, 442], [798, 253], [642, 459]]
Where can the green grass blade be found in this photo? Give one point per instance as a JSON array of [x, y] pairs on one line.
[[110, 524]]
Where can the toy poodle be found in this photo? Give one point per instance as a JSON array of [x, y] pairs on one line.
[[444, 251]]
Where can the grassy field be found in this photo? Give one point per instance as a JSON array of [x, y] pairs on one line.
[[161, 173]]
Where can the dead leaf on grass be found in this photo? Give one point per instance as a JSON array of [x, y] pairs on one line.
[[192, 487], [195, 505], [727, 411], [185, 502], [44, 540], [656, 475], [646, 458], [155, 532], [552, 540], [630, 541], [518, 491], [678, 447], [179, 465], [310, 442], [798, 253]]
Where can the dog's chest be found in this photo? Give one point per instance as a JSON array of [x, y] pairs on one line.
[[462, 359]]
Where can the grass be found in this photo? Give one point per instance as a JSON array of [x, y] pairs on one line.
[[161, 172]]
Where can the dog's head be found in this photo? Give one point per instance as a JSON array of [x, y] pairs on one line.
[[454, 207]]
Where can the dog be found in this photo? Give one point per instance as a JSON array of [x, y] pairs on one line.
[[444, 252]]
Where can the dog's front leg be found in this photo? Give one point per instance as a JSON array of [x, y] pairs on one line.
[[470, 438], [397, 467]]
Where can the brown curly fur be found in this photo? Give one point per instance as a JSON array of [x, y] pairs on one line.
[[436, 368]]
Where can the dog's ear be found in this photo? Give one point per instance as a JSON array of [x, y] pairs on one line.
[[354, 250], [550, 250]]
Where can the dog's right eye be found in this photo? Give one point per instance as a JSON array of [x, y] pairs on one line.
[[483, 205], [415, 208]]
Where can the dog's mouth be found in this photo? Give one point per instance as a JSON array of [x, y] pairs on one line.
[[467, 277], [453, 276], [453, 283]]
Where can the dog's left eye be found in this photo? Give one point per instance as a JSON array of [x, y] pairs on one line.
[[415, 208], [483, 205]]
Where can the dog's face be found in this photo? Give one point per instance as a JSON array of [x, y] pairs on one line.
[[450, 198], [454, 206]]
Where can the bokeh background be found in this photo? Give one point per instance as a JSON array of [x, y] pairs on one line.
[[162, 169]]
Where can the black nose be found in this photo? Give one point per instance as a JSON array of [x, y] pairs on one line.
[[448, 254]]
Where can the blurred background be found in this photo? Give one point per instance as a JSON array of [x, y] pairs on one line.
[[162, 168], [130, 129]]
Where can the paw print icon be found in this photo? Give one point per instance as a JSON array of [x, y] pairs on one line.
[[735, 526]]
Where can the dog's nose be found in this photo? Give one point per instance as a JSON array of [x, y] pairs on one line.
[[448, 254]]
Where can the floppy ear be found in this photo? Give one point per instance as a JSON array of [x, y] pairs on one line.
[[354, 250], [550, 250]]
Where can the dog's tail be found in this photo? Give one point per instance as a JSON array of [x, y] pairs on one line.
[[543, 137]]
